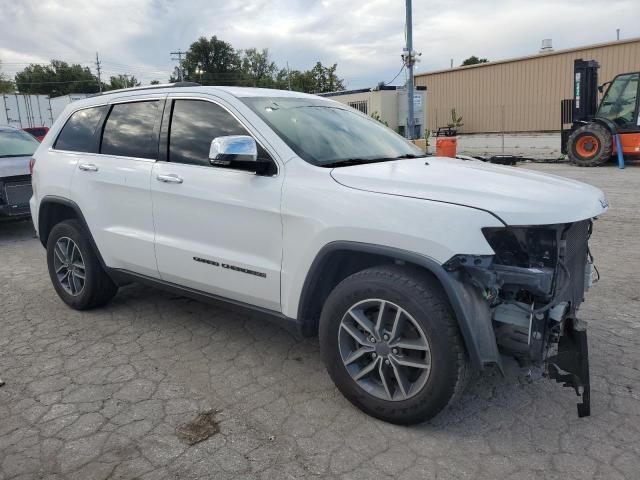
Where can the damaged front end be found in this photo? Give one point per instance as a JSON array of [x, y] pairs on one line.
[[533, 286]]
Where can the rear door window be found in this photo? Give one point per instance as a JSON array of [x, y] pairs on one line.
[[129, 130], [78, 134]]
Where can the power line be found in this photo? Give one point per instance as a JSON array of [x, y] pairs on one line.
[[179, 53], [98, 69], [57, 82], [397, 75]]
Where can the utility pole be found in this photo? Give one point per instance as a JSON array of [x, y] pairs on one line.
[[179, 53], [99, 70], [409, 59], [617, 34], [289, 75]]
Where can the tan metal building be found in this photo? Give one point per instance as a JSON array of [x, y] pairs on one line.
[[519, 94]]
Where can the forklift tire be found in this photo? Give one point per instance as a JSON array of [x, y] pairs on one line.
[[590, 145]]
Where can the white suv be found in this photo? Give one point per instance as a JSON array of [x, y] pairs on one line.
[[414, 270]]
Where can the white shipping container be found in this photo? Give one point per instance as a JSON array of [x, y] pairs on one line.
[[23, 111]]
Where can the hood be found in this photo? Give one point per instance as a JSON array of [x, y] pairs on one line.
[[13, 166], [515, 195]]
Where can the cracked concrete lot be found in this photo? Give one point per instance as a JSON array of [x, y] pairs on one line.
[[99, 394]]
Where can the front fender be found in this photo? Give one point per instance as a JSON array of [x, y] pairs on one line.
[[470, 309]]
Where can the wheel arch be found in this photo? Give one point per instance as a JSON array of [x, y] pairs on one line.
[[53, 210], [608, 124], [337, 260]]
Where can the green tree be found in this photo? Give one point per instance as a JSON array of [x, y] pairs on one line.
[[6, 85], [319, 79], [154, 82], [211, 62], [473, 60], [57, 78], [122, 81], [258, 68], [215, 62], [325, 79]]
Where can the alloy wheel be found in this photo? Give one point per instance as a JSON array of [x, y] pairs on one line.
[[69, 266], [384, 349]]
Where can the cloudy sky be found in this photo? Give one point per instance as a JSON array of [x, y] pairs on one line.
[[364, 37]]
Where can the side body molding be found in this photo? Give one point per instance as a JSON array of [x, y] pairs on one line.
[[471, 310]]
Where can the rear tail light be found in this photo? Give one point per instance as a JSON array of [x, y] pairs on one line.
[[32, 163]]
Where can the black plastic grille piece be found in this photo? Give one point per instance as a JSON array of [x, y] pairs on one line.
[[575, 259]]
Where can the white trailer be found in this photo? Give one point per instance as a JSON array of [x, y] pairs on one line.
[[22, 111]]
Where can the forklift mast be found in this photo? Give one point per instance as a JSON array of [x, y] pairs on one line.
[[585, 90], [584, 104]]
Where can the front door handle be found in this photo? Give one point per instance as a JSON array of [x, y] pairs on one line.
[[169, 178], [88, 167]]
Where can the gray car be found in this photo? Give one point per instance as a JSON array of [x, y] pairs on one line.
[[16, 149]]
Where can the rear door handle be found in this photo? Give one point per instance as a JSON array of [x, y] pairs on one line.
[[88, 167], [169, 178]]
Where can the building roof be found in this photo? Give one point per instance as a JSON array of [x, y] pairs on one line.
[[534, 56]]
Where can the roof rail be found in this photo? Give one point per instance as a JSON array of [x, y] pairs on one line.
[[153, 87]]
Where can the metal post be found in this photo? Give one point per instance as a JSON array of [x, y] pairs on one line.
[[288, 76], [179, 53], [410, 61], [619, 151]]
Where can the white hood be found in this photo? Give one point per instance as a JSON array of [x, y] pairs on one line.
[[515, 195]]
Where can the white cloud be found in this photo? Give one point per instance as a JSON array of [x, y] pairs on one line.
[[364, 38]]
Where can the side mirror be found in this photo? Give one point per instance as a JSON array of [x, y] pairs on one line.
[[236, 151]]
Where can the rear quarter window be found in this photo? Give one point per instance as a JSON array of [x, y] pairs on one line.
[[78, 134]]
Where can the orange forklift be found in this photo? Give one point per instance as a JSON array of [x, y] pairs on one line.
[[591, 139]]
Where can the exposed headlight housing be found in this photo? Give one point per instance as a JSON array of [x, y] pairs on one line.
[[526, 247]]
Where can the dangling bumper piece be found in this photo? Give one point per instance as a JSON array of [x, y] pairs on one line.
[[570, 366]]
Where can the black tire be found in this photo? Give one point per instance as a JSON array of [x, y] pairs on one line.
[[598, 138], [422, 297], [98, 288]]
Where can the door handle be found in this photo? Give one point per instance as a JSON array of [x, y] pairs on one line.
[[88, 167], [169, 178]]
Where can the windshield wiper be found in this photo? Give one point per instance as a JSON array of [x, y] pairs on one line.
[[351, 161], [359, 161], [20, 155], [406, 155]]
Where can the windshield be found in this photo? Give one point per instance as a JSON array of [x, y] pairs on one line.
[[16, 143], [326, 134]]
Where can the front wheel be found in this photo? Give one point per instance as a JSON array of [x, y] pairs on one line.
[[590, 145], [391, 344]]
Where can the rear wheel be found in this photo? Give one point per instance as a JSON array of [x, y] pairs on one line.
[[590, 145], [391, 344], [74, 268]]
